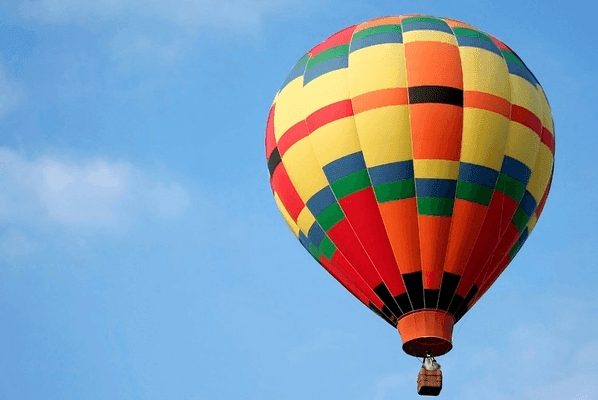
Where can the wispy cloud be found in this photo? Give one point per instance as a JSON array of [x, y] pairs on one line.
[[12, 93], [68, 191]]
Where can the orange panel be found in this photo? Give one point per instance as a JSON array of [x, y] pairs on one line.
[[378, 22], [426, 330], [436, 131], [400, 221], [433, 236], [468, 218], [433, 63]]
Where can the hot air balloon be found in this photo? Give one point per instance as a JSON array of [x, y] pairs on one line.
[[412, 157]]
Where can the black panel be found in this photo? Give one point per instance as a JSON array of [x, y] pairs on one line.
[[274, 161], [386, 311], [382, 291], [463, 309], [415, 288], [436, 94], [447, 289], [455, 304], [375, 309], [403, 302], [431, 298]]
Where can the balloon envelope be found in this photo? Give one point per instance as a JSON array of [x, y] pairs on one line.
[[412, 156]]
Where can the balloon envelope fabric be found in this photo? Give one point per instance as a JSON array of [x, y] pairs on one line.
[[412, 157]]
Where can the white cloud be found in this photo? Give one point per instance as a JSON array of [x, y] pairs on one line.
[[73, 192], [12, 93]]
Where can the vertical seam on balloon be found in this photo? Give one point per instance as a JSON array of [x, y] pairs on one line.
[[345, 216], [419, 241], [455, 194], [465, 269], [326, 235], [370, 178], [489, 272]]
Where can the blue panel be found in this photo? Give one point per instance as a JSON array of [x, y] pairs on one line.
[[304, 240], [523, 237], [316, 234], [392, 172], [523, 72], [478, 174], [426, 187], [372, 40], [427, 26], [320, 201], [516, 170], [295, 73], [323, 67], [344, 166], [471, 41], [528, 203]]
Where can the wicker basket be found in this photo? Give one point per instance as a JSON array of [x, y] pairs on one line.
[[429, 383]]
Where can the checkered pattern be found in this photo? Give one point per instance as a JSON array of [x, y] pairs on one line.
[[412, 157]]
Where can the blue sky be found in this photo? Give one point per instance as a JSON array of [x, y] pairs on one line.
[[141, 252]]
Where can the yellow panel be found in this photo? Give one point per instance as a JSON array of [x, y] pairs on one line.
[[541, 173], [377, 67], [326, 89], [385, 135], [546, 113], [522, 144], [526, 95], [286, 215], [532, 223], [484, 71], [484, 138], [289, 107], [306, 220], [304, 169], [436, 169], [335, 140], [429, 36]]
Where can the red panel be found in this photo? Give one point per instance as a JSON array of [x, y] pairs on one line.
[[433, 236], [527, 118], [270, 139], [343, 272], [468, 218], [500, 44], [548, 139], [509, 207], [282, 185], [400, 220], [294, 134], [487, 241], [342, 37], [487, 101], [345, 240], [540, 207], [436, 131], [361, 210], [380, 98], [329, 113]]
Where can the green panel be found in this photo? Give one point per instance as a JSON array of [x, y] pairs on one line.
[[351, 183], [423, 19], [330, 216], [303, 61], [440, 206], [395, 190], [336, 51], [514, 250], [470, 32], [376, 30], [315, 252], [473, 192], [508, 56], [520, 219], [327, 247], [510, 186]]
